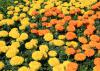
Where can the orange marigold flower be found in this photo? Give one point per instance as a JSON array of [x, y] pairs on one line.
[[35, 13], [73, 22], [53, 21], [98, 46], [70, 51], [79, 23], [80, 57], [44, 18], [82, 40], [97, 61], [48, 25], [89, 52], [70, 35], [80, 17], [96, 68], [44, 23], [72, 12], [92, 44], [88, 32], [67, 18], [33, 25], [70, 28], [94, 17], [85, 47], [72, 66], [59, 27], [34, 31], [94, 38], [48, 13], [61, 15]]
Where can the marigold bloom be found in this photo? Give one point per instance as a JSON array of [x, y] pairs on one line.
[[72, 66], [79, 23], [96, 68], [53, 61], [67, 18], [33, 25], [97, 61], [82, 40], [70, 51], [59, 27], [70, 35], [44, 18], [23, 68], [1, 65], [85, 47], [16, 60], [37, 55], [48, 37], [80, 57], [98, 45], [94, 38], [70, 28], [92, 44], [89, 52]]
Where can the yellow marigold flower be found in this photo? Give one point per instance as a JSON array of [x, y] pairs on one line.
[[68, 43], [22, 15], [1, 65], [10, 22], [3, 33], [16, 60], [43, 48], [52, 53], [25, 9], [15, 2], [41, 11], [34, 42], [74, 44], [59, 67], [23, 68], [48, 37], [14, 33], [16, 14], [15, 18], [10, 7], [35, 65], [28, 45], [17, 9], [53, 61], [10, 12], [58, 42], [2, 43], [15, 44], [1, 16], [3, 49], [37, 55], [23, 37], [25, 22], [21, 6], [61, 37], [11, 52], [22, 27]]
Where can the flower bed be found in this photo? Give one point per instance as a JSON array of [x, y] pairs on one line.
[[50, 35]]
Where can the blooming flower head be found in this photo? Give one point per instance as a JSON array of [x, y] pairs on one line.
[[16, 60], [37, 55], [53, 61], [48, 37]]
